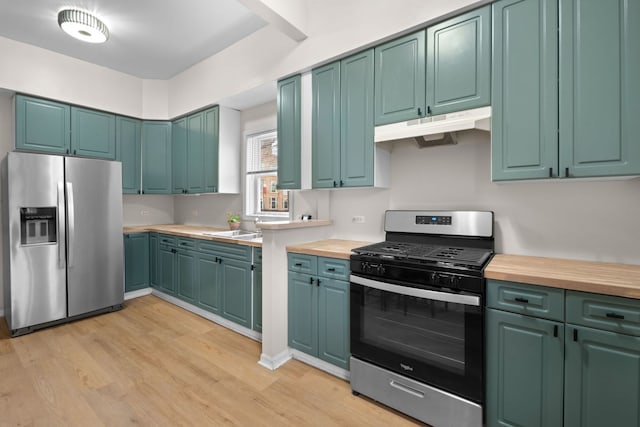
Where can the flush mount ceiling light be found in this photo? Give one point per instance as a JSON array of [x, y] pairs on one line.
[[83, 26]]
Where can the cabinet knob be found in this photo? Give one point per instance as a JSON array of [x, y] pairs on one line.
[[566, 172], [311, 280], [341, 183], [428, 109], [550, 172]]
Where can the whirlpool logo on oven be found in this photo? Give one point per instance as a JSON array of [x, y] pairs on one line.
[[406, 367]]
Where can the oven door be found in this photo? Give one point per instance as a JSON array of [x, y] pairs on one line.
[[432, 336]]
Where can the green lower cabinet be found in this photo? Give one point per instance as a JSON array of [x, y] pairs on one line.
[[303, 313], [209, 283], [333, 315], [136, 261], [257, 290], [153, 260], [318, 307], [236, 291], [524, 372], [166, 269], [186, 275]]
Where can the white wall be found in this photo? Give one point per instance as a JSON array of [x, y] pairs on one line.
[[579, 219]]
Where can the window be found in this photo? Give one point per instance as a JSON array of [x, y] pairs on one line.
[[262, 197]]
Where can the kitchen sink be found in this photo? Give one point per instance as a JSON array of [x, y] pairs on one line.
[[234, 234]]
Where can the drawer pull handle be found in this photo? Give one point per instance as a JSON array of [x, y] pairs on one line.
[[615, 316], [331, 269], [522, 300], [297, 264], [407, 389], [555, 331]]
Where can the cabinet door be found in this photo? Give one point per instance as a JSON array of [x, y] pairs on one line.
[[42, 125], [211, 147], [599, 87], [602, 378], [136, 261], [257, 298], [524, 370], [166, 270], [333, 322], [195, 153], [400, 79], [236, 291], [325, 126], [128, 153], [303, 313], [356, 124], [156, 158], [93, 133], [153, 260], [209, 290], [289, 133], [179, 155], [459, 62], [524, 123], [186, 275]]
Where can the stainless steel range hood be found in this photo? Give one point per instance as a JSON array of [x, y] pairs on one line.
[[435, 130]]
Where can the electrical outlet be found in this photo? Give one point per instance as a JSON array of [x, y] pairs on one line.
[[144, 212], [359, 219]]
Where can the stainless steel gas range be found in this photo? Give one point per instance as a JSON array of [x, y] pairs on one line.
[[417, 315]]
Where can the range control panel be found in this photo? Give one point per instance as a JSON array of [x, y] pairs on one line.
[[433, 220]]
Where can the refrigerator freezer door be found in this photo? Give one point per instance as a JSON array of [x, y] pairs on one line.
[[94, 241], [35, 210]]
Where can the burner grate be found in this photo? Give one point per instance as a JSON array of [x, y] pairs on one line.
[[426, 252]]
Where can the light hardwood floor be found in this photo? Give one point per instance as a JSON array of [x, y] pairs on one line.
[[153, 363]]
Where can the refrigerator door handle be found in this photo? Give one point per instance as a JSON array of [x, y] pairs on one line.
[[62, 258], [71, 224]]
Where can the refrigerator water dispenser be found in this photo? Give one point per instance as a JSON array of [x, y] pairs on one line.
[[38, 225]]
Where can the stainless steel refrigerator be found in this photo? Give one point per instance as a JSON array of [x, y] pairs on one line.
[[62, 232]]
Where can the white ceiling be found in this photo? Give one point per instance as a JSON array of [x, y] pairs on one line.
[[151, 39]]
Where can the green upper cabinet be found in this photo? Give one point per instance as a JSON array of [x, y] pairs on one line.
[[289, 133], [195, 153], [179, 155], [93, 133], [325, 127], [602, 378], [136, 261], [128, 153], [524, 123], [156, 157], [400, 79], [42, 125], [211, 132], [356, 124], [459, 63], [599, 87], [342, 126]]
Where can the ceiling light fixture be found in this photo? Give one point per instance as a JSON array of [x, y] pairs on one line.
[[83, 26]]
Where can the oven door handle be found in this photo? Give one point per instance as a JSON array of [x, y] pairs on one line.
[[415, 292]]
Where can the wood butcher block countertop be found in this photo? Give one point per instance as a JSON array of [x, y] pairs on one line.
[[597, 277], [191, 231], [332, 248]]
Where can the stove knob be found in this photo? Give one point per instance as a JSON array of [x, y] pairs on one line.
[[381, 270], [363, 266], [454, 281], [434, 278]]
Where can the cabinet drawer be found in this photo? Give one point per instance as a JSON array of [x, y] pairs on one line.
[[165, 239], [302, 263], [186, 243], [611, 313], [532, 300], [333, 268], [227, 250]]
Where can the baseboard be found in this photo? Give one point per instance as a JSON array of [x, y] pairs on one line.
[[321, 364], [273, 363], [137, 294], [250, 333]]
